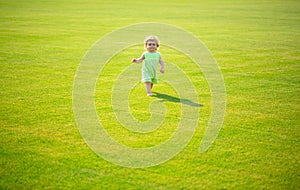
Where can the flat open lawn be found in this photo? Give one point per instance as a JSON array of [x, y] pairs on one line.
[[257, 47]]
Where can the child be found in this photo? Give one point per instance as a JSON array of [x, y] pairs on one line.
[[151, 59]]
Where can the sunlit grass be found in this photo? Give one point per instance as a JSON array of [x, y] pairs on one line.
[[256, 44]]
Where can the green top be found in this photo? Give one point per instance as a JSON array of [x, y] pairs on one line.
[[150, 65]]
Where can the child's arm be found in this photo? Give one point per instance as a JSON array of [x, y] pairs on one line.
[[134, 60], [162, 65]]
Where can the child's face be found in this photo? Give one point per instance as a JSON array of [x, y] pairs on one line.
[[151, 46]]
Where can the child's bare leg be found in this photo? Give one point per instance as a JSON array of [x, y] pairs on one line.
[[148, 88]]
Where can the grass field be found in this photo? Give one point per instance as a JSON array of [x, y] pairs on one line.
[[257, 47]]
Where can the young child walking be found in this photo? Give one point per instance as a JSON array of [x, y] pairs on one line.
[[151, 59]]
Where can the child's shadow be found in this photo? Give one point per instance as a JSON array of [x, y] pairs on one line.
[[169, 98]]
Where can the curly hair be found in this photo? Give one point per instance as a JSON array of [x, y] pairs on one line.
[[152, 38]]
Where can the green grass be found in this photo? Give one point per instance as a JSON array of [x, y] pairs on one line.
[[256, 44]]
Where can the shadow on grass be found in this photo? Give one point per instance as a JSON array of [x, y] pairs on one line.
[[168, 98]]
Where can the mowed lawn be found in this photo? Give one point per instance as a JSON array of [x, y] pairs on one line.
[[257, 47]]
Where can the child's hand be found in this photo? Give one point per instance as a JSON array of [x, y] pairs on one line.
[[162, 70], [133, 60]]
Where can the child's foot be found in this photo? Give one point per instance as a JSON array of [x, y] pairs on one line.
[[149, 94]]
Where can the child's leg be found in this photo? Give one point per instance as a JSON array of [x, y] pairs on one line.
[[148, 88]]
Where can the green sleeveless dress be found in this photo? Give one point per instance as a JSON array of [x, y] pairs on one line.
[[149, 68]]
